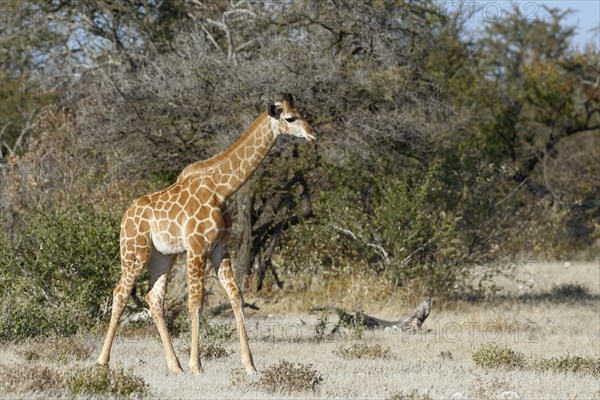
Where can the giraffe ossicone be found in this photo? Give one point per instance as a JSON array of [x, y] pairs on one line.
[[191, 216]]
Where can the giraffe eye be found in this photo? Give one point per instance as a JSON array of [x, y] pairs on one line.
[[290, 119]]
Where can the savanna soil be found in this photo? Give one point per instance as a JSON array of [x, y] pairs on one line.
[[550, 310]]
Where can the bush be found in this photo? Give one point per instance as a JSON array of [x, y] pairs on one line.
[[326, 330], [569, 291], [287, 377], [25, 312], [577, 364], [212, 351], [492, 356], [421, 229], [102, 380], [59, 271]]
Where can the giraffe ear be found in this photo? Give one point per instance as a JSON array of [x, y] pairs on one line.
[[273, 111], [289, 98]]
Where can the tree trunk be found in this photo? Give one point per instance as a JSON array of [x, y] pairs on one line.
[[245, 255]]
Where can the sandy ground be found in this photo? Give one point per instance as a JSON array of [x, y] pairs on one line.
[[437, 363]]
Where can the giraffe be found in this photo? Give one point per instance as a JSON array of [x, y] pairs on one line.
[[191, 216]]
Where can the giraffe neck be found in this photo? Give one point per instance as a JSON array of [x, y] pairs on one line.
[[230, 169]]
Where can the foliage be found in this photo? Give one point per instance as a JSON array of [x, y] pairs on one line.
[[569, 291], [327, 331], [100, 380], [392, 225], [320, 327], [490, 355], [564, 364], [217, 332], [60, 271]]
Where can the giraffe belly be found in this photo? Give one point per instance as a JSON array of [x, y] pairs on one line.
[[167, 244]]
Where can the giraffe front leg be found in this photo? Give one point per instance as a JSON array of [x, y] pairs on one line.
[[221, 261], [196, 264], [120, 295]]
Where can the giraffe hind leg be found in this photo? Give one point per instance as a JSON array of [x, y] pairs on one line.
[[131, 268], [159, 267]]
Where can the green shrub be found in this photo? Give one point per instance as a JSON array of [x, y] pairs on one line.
[[569, 291], [216, 332], [320, 327], [355, 329], [25, 311], [59, 271], [577, 364], [325, 330], [416, 229], [490, 355], [363, 350], [75, 252], [102, 380]]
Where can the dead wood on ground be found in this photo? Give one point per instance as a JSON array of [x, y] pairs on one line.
[[413, 322]]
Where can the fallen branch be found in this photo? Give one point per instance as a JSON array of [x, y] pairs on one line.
[[222, 307], [413, 322]]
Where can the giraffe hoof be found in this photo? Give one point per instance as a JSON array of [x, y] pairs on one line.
[[102, 360], [197, 370], [176, 369]]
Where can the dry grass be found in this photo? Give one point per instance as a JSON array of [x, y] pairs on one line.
[[412, 395], [557, 336], [57, 349], [488, 387], [30, 378], [364, 350]]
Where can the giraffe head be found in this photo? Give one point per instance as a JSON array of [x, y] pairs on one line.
[[286, 120]]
